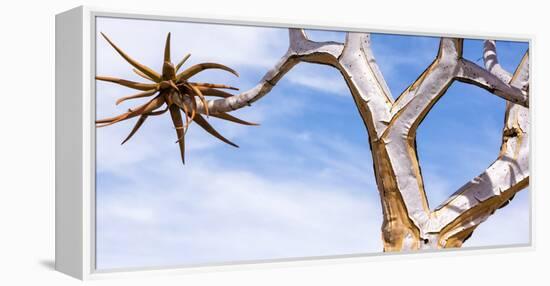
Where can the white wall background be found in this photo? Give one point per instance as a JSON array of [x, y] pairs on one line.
[[27, 144]]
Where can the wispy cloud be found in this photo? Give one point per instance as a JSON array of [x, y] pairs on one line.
[[205, 41], [210, 214]]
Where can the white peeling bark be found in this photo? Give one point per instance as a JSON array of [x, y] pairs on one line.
[[409, 224], [474, 74], [491, 61]]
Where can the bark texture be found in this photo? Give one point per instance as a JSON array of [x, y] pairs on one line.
[[409, 223]]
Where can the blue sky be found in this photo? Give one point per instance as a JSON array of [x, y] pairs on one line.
[[301, 184]]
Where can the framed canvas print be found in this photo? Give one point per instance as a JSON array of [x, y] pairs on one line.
[[196, 143]]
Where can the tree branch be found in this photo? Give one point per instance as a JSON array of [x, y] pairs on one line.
[[474, 74], [424, 92], [300, 49], [400, 135], [491, 61], [473, 203], [366, 83]]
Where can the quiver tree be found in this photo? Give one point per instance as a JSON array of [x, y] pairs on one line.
[[391, 124]]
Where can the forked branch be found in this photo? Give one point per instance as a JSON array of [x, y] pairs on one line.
[[496, 186]]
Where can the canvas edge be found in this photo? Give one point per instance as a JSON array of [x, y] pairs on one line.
[[318, 24], [73, 144], [86, 227], [306, 262], [532, 152], [69, 207]]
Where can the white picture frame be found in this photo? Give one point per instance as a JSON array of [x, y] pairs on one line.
[[75, 149]]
